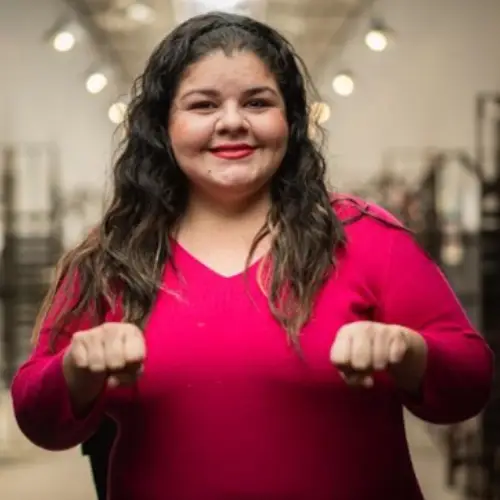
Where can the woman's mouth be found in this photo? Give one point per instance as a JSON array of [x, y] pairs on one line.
[[232, 151]]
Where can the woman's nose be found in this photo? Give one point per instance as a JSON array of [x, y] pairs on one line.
[[231, 119]]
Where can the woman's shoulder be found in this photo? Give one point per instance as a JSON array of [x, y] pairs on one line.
[[371, 232], [371, 235], [351, 209]]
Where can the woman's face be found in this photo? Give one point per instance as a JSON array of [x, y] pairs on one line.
[[228, 126]]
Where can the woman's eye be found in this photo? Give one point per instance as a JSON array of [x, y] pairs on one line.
[[203, 105], [257, 103]]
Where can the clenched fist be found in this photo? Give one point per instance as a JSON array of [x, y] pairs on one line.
[[112, 353], [364, 347]]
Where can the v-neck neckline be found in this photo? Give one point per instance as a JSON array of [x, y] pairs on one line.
[[179, 251]]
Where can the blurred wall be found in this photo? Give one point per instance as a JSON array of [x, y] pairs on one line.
[[418, 93], [43, 96]]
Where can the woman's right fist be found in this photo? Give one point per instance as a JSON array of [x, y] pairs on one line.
[[112, 352]]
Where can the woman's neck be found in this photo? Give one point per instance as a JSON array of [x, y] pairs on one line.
[[220, 221]]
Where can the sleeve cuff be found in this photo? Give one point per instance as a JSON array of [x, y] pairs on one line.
[[70, 423], [451, 390], [427, 400]]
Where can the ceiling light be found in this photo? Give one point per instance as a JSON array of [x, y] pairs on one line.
[[140, 13], [343, 84], [64, 41], [320, 112], [64, 38], [96, 82], [377, 38], [117, 112], [218, 4]]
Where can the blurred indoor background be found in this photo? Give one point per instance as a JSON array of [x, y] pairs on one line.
[[409, 97]]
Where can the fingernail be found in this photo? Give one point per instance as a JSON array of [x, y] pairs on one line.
[[113, 382], [368, 382]]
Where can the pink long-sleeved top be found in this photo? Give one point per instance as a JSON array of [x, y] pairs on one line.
[[226, 410]]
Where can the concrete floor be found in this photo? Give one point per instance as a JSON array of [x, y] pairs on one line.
[[55, 476], [28, 473], [428, 462]]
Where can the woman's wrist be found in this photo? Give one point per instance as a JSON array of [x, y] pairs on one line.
[[84, 387]]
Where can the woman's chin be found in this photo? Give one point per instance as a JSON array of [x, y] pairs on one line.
[[235, 178]]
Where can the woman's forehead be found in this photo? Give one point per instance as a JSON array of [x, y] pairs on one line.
[[218, 69]]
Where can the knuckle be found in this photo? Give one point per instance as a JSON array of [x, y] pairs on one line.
[[95, 356], [79, 337], [135, 330], [108, 330], [116, 364], [361, 364]]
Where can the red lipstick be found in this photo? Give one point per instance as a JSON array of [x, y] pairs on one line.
[[232, 151]]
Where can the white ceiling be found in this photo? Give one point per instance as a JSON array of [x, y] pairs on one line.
[[317, 28]]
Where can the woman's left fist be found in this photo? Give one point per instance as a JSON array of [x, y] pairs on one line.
[[365, 347]]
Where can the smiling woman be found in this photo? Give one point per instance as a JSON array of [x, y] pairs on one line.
[[254, 336], [228, 124]]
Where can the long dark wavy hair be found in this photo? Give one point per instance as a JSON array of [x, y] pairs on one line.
[[125, 255]]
